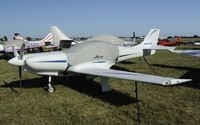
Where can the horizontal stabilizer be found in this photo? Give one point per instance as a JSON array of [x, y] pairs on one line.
[[158, 47]]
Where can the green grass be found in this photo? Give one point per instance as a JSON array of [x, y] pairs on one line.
[[79, 101]]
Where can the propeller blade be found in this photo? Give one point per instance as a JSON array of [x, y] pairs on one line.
[[20, 76], [15, 52], [21, 52]]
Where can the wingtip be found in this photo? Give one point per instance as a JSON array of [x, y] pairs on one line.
[[176, 81]]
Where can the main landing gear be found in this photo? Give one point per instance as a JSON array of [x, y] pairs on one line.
[[104, 84], [50, 88]]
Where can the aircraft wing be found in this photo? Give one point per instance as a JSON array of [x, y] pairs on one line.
[[126, 75], [188, 52]]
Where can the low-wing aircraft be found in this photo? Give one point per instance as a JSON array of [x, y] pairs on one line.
[[94, 58], [8, 46]]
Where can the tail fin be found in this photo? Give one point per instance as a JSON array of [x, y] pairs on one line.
[[58, 35], [48, 38], [149, 45], [150, 40], [152, 37]]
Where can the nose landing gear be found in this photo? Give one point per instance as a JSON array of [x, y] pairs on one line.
[[50, 88]]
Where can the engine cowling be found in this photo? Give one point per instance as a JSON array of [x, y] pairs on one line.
[[47, 62]]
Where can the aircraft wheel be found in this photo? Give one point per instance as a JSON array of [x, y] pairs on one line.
[[51, 89]]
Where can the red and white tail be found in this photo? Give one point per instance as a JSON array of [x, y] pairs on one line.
[[48, 38]]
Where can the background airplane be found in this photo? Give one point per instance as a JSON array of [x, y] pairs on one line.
[[56, 39], [166, 42], [8, 46], [94, 58], [197, 44]]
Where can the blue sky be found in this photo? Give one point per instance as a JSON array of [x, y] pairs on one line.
[[90, 17]]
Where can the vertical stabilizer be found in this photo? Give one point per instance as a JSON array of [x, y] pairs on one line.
[[150, 41], [152, 37], [58, 35], [48, 38]]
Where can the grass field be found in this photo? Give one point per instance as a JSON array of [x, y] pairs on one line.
[[78, 101]]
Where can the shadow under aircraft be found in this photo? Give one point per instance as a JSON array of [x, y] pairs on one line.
[[79, 84]]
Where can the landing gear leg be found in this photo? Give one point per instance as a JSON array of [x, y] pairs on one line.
[[50, 87], [104, 84]]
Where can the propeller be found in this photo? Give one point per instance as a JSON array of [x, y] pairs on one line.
[[21, 52], [20, 57]]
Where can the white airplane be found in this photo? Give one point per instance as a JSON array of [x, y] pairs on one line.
[[94, 58], [55, 39], [188, 52], [197, 44], [8, 46]]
